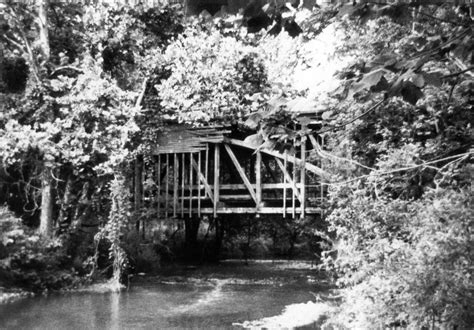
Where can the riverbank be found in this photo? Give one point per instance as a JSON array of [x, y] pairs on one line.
[[11, 295]]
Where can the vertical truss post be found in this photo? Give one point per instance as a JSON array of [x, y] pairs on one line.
[[142, 196], [284, 182], [158, 183], [293, 196], [167, 184], [183, 179], [199, 184], [175, 183], [190, 184], [216, 177], [303, 176], [258, 179], [206, 167], [321, 182]]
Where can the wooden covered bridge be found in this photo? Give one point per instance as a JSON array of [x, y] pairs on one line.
[[201, 171]]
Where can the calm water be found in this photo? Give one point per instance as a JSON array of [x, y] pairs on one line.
[[209, 297]]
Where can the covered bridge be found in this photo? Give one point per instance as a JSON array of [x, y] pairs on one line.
[[203, 171]]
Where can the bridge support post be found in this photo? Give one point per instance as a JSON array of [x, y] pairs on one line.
[[216, 177], [258, 179], [191, 228]]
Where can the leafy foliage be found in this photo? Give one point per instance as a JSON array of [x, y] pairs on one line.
[[213, 78], [118, 221], [404, 262], [73, 114], [32, 262], [402, 209]]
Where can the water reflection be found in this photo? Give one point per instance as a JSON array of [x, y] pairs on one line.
[[115, 310], [157, 303]]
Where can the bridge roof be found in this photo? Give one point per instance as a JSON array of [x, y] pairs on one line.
[[183, 139]]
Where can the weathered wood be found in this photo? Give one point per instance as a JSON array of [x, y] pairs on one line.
[[241, 172], [241, 198], [199, 183], [251, 210], [216, 176], [309, 167], [288, 178], [158, 184], [183, 178], [303, 175], [235, 197], [313, 141], [285, 165], [321, 181], [294, 189], [175, 184], [258, 179], [207, 187], [206, 166], [265, 186], [167, 184], [190, 183]]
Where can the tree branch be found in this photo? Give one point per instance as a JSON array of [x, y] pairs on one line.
[[67, 67], [354, 119], [425, 164], [142, 94], [14, 43], [459, 73]]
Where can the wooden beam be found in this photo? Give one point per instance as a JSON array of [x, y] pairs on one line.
[[199, 183], [303, 174], [237, 186], [294, 189], [158, 174], [167, 184], [251, 210], [285, 165], [175, 183], [216, 176], [206, 167], [321, 182], [207, 187], [288, 178], [183, 179], [191, 160], [313, 141], [241, 172], [258, 179], [309, 167]]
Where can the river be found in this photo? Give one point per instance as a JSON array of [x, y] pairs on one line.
[[221, 297]]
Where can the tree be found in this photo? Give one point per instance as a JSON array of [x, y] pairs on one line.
[[401, 151]]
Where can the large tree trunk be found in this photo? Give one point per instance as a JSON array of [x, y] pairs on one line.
[[43, 30], [46, 217]]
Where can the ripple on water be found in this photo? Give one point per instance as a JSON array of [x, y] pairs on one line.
[[205, 300]]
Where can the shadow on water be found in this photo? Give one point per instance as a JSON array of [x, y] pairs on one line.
[[204, 298]]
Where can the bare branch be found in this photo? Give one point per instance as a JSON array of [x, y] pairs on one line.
[[375, 106]]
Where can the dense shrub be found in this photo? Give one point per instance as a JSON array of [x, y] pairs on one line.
[[31, 262], [405, 262]]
